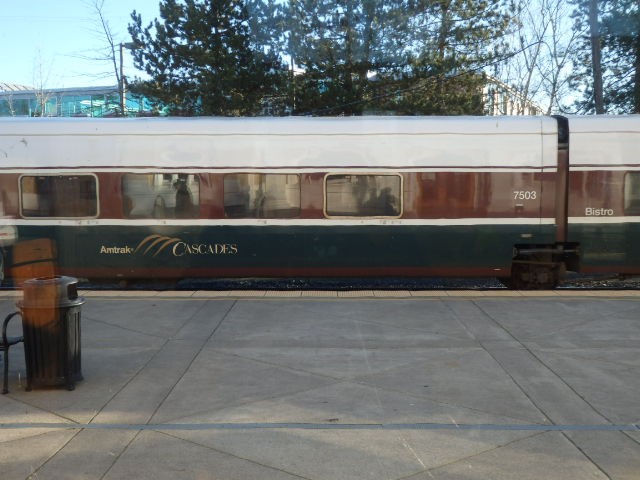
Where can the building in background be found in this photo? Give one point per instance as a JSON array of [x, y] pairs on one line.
[[501, 99], [23, 101]]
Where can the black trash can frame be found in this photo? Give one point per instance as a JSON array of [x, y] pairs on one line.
[[51, 311], [7, 342]]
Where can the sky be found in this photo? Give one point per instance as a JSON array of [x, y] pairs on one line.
[[43, 42]]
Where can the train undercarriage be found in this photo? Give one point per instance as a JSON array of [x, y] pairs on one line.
[[541, 267]]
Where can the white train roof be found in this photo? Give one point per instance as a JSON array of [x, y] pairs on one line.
[[365, 125], [597, 141], [291, 142], [580, 124]]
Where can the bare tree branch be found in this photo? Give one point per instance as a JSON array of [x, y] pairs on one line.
[[545, 39], [40, 80], [110, 51]]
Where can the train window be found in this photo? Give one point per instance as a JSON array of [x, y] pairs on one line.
[[363, 195], [632, 193], [58, 196], [160, 195], [261, 195]]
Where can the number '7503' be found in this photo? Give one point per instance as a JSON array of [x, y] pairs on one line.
[[524, 194]]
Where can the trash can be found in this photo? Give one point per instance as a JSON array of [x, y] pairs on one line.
[[51, 311]]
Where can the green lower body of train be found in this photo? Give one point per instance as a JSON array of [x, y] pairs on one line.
[[275, 251]]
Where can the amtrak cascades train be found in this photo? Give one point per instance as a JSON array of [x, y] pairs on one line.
[[523, 199]]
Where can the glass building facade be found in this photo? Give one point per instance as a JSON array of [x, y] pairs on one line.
[[71, 102]]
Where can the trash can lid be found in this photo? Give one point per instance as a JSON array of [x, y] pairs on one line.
[[56, 291]]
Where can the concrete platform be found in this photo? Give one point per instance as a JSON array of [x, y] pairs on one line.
[[411, 385]]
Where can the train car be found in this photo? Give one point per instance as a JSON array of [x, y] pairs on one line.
[[508, 197], [604, 193]]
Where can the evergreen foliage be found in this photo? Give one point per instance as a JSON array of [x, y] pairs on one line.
[[201, 59], [619, 37], [320, 57]]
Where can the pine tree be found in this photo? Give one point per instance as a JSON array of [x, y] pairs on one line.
[[619, 40], [336, 44], [622, 39], [226, 57], [203, 58], [452, 43], [404, 56]]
